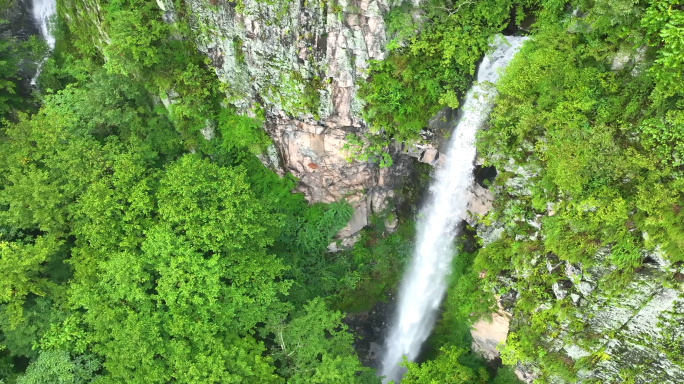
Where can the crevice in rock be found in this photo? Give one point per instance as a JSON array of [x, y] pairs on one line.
[[482, 174]]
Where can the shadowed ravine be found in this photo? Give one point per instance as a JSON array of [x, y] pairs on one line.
[[424, 284]]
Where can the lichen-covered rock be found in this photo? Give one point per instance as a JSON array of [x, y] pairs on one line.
[[628, 332], [299, 59], [89, 11], [19, 20], [641, 342], [431, 147], [617, 330], [526, 374], [301, 62]]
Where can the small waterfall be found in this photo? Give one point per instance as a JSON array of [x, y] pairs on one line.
[[43, 10], [424, 284]]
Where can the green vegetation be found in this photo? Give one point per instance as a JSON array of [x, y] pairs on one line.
[[434, 68], [448, 356], [133, 249], [448, 368], [444, 369], [377, 259], [14, 53], [127, 259], [593, 109]]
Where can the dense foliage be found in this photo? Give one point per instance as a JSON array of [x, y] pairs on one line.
[[427, 71], [134, 249], [127, 259], [593, 109], [590, 113]]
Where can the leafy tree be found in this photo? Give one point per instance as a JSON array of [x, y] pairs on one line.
[[444, 369], [21, 266], [315, 347], [59, 367], [303, 243], [184, 304], [129, 259]]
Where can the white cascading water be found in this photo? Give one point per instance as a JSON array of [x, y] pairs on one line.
[[43, 10], [425, 282]]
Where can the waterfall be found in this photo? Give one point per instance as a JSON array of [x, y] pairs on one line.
[[43, 10], [424, 284]]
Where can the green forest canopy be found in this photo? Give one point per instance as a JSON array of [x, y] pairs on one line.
[[133, 250]]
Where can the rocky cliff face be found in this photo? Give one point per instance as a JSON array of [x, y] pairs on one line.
[[302, 62], [20, 23], [622, 336], [303, 59], [620, 331]]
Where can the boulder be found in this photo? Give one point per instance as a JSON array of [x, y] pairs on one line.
[[488, 335]]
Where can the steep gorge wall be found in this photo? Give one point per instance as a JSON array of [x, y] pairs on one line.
[[301, 63], [628, 331]]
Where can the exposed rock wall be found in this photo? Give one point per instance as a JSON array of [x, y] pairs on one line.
[[20, 25], [487, 334], [301, 58], [628, 334], [302, 63], [313, 153], [87, 11], [619, 332]]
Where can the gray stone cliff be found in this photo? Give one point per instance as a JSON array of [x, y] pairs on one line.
[[632, 332], [302, 63]]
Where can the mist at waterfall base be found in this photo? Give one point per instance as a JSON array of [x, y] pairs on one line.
[[43, 10], [425, 282]]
